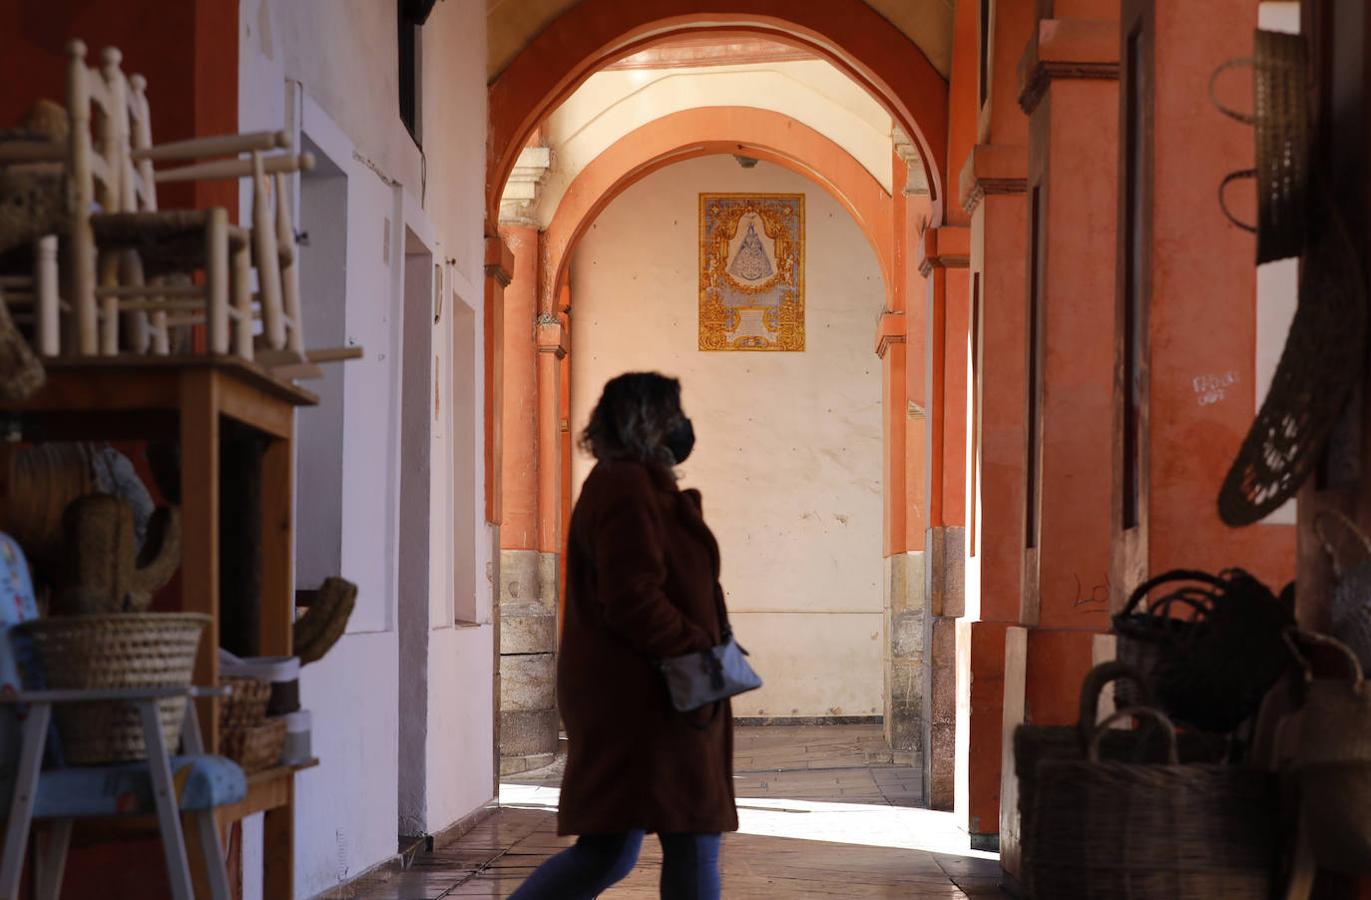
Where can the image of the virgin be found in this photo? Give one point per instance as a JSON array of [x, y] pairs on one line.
[[751, 253]]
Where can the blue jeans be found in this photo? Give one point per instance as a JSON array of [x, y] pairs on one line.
[[690, 867]]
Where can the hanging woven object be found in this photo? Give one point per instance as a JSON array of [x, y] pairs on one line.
[[1322, 359], [1296, 216], [1280, 118]]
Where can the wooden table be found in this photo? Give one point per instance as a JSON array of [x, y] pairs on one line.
[[191, 398]]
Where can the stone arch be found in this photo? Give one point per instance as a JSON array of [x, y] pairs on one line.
[[705, 131], [593, 33]]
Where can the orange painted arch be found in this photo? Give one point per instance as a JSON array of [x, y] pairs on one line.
[[706, 131], [594, 33]]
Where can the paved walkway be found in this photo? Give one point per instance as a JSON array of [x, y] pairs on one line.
[[823, 814]]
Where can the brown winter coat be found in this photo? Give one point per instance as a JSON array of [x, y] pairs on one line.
[[642, 581]]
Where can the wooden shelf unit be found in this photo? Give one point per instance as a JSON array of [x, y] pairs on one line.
[[124, 398]]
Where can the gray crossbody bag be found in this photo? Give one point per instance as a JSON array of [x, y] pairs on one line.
[[709, 676]]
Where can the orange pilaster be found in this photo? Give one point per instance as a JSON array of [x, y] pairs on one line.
[[1069, 88], [551, 352], [890, 346], [992, 184], [499, 270], [520, 527]]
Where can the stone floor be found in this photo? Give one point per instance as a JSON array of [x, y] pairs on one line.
[[823, 814]]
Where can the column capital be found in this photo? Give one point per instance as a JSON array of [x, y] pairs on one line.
[[550, 337], [499, 260], [890, 329], [1067, 49], [519, 201], [992, 169], [916, 179], [947, 247]]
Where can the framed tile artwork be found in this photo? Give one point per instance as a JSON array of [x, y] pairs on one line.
[[752, 272]]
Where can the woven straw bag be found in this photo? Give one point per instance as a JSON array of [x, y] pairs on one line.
[[1319, 365], [1349, 550], [1152, 831], [1332, 763], [1035, 744], [125, 650]]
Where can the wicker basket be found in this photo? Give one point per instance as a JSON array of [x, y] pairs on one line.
[[1130, 831], [1332, 763], [246, 704], [1036, 744], [1210, 669], [125, 650], [255, 747]]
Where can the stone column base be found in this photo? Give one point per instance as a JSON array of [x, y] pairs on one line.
[[904, 653], [529, 727]]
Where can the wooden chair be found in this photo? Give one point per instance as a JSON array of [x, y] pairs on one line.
[[193, 784], [128, 238]]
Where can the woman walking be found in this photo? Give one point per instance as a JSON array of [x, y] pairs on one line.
[[642, 585]]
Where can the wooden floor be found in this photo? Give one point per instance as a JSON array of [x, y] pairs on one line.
[[823, 814]]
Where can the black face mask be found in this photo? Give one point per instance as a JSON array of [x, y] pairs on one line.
[[681, 440]]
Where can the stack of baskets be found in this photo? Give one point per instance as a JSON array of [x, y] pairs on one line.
[[246, 735]]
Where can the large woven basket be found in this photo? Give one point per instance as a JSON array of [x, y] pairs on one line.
[[1037, 744], [125, 650], [1160, 831]]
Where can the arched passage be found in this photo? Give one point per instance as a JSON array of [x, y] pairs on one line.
[[847, 33], [748, 131]]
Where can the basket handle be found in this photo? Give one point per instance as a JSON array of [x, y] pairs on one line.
[[1163, 606], [1141, 712], [1293, 637], [1342, 519], [1245, 118], [1142, 590], [1095, 681], [1228, 179]]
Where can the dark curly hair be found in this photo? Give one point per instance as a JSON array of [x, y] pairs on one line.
[[633, 417]]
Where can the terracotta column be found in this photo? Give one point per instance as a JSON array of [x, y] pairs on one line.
[[528, 571], [499, 272], [992, 184], [906, 606], [942, 258], [1069, 89]]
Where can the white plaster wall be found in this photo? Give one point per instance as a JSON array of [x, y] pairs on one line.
[[325, 70], [789, 452], [611, 104]]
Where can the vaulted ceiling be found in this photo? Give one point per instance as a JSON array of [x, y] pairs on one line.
[[512, 24]]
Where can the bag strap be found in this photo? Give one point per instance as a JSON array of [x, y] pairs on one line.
[[726, 628]]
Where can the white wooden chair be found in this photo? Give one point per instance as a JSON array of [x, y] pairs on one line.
[[34, 787]]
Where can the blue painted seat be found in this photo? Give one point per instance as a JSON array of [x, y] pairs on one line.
[[202, 782]]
